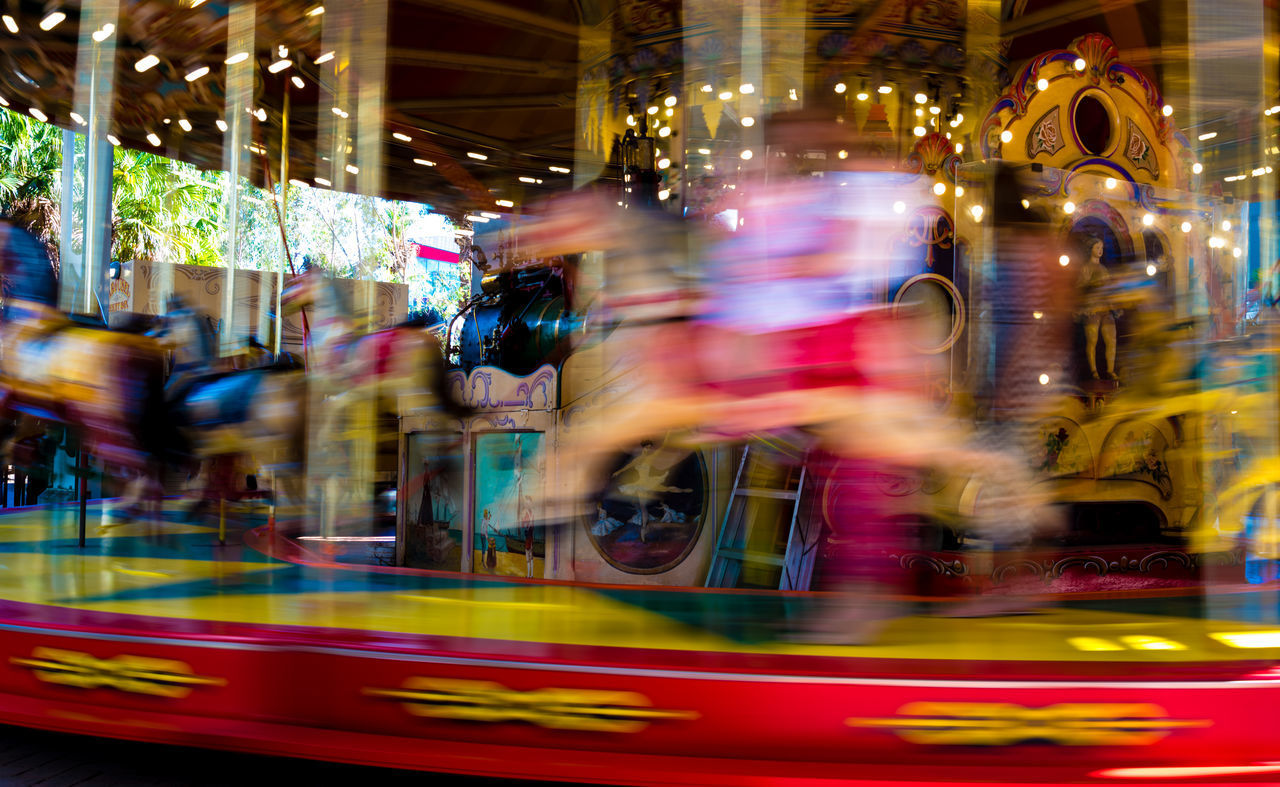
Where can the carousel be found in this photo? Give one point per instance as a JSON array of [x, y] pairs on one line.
[[547, 538]]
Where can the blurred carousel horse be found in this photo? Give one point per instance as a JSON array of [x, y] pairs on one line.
[[108, 384], [401, 367], [227, 414]]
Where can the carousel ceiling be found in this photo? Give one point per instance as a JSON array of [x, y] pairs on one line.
[[474, 93]]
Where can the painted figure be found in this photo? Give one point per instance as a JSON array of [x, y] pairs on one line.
[[645, 484], [1097, 315]]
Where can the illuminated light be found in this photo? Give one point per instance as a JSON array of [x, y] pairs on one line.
[[504, 203], [921, 98], [1079, 64], [148, 62], [477, 156], [1166, 110], [1093, 644], [1148, 219], [1235, 252], [663, 163], [185, 124], [1146, 642], [467, 233], [279, 65], [843, 154], [665, 131], [322, 181], [1197, 168], [153, 139], [1042, 84], [297, 82], [325, 58], [477, 219], [841, 87], [706, 88], [746, 88], [919, 112], [1110, 183], [976, 212], [221, 124], [1226, 225], [561, 170], [670, 101], [959, 147], [863, 96], [631, 120], [353, 169], [1248, 639], [401, 137], [1209, 135], [959, 191], [302, 183], [664, 194], [527, 179], [1183, 771], [1258, 171], [1006, 136], [1275, 109], [939, 189], [653, 110], [1025, 204], [918, 131], [490, 215], [705, 151], [9, 23], [1216, 242], [948, 135], [103, 33], [1151, 269], [238, 57], [748, 121], [708, 167], [38, 115], [1064, 260], [670, 113], [195, 74], [791, 94], [745, 155], [935, 110], [1044, 379], [77, 118], [52, 20], [1186, 226], [725, 95], [113, 139], [899, 207], [1037, 315], [261, 115], [1068, 207], [884, 90], [317, 11]]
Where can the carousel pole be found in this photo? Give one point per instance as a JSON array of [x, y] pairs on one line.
[[82, 487]]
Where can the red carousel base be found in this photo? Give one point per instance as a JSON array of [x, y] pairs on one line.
[[136, 638]]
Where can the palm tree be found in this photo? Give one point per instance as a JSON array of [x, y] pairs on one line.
[[30, 170], [161, 209]]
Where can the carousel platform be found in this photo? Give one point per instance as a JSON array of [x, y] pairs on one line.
[[156, 631]]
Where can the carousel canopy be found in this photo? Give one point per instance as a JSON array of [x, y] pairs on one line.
[[472, 95]]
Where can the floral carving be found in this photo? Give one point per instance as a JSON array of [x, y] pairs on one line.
[[1046, 135], [1139, 151]]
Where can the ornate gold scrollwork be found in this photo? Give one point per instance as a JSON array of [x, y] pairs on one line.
[[585, 710], [1006, 724], [132, 674]]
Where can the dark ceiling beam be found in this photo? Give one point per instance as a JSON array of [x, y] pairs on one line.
[[504, 14], [489, 64], [488, 103], [1061, 14]]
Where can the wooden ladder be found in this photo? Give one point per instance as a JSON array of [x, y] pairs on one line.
[[763, 541]]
